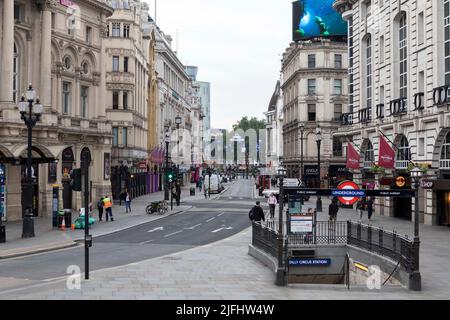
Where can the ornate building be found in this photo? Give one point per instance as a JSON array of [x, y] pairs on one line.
[[59, 49]]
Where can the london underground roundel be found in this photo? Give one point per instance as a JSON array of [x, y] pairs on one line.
[[348, 185]]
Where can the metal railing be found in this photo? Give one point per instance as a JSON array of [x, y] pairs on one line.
[[444, 164], [402, 164], [386, 243], [265, 238], [326, 232]]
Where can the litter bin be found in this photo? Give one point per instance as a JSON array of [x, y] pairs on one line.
[[192, 191], [68, 217], [60, 218], [2, 234]]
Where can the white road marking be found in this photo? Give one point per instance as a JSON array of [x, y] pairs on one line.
[[210, 219], [193, 227], [171, 234], [145, 242], [223, 228], [156, 229], [221, 214]]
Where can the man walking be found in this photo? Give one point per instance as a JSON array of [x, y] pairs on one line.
[[257, 213], [107, 204], [333, 209], [369, 207], [100, 209], [272, 201]]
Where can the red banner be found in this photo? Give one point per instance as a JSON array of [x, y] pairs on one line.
[[353, 157], [386, 157]]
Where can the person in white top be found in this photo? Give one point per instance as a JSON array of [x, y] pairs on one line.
[[272, 202], [128, 202]]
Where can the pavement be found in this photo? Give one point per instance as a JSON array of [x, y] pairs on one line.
[[48, 238]]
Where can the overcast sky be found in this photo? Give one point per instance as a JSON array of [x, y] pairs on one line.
[[237, 45]]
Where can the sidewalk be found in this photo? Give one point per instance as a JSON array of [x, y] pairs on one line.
[[48, 238]]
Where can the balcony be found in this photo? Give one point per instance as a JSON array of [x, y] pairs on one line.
[[365, 115], [401, 164], [398, 107], [367, 164], [347, 119], [419, 101], [380, 111], [444, 164], [441, 95]]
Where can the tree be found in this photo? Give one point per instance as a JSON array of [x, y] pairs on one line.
[[253, 123]]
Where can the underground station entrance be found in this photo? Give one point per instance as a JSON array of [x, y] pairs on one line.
[[336, 252]]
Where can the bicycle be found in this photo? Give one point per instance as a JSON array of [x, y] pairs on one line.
[[159, 207]]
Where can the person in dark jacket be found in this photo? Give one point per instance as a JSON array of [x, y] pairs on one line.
[[333, 209], [257, 213], [100, 209], [369, 205]]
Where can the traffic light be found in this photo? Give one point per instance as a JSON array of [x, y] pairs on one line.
[[75, 179], [170, 176]]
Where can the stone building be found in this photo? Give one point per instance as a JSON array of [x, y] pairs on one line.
[[59, 49], [399, 62], [314, 85]]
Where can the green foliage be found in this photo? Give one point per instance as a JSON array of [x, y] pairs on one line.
[[423, 166], [253, 123]]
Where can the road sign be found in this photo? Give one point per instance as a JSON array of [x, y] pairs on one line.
[[349, 196], [290, 182]]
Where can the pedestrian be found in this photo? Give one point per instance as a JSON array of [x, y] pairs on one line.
[[272, 201], [100, 209], [206, 192], [360, 207], [333, 209], [107, 204], [256, 213], [178, 191], [127, 202], [370, 208]]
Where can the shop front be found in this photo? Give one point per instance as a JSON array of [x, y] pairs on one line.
[[337, 174], [441, 188], [310, 176], [402, 206]]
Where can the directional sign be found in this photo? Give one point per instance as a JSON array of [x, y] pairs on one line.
[[350, 192], [292, 182]]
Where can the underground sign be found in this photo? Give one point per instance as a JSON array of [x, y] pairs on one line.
[[348, 192]]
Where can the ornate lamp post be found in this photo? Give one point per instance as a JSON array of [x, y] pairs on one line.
[[416, 174], [281, 276], [30, 118], [318, 141], [302, 130], [166, 182]]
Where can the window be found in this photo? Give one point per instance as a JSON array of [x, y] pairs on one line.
[[382, 50], [66, 97], [17, 13], [124, 137], [311, 87], [311, 112], [115, 134], [368, 9], [403, 57], [420, 29], [53, 20], [337, 112], [421, 82], [125, 100], [67, 63], [125, 64], [369, 72], [403, 153], [115, 103], [338, 87], [338, 61], [126, 30], [447, 40], [88, 34], [311, 61], [369, 155], [337, 147], [85, 68], [116, 29], [382, 95], [16, 64], [84, 95], [115, 64], [350, 64], [421, 146]]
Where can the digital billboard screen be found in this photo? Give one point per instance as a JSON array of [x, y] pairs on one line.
[[317, 18]]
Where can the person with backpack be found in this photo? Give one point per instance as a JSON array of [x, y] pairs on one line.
[[256, 213], [100, 209], [333, 209]]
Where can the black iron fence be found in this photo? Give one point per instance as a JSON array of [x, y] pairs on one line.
[[386, 243]]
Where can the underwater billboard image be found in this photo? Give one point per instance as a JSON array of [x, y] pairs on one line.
[[317, 18]]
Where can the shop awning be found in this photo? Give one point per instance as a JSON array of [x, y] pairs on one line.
[[17, 153]]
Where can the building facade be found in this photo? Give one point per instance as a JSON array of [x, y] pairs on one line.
[[399, 56], [314, 85], [127, 81], [59, 50]]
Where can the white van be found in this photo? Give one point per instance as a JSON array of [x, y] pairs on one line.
[[215, 186]]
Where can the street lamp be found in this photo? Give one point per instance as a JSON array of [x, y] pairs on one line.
[[281, 277], [302, 130], [30, 118], [166, 182], [178, 122], [318, 141], [416, 174]]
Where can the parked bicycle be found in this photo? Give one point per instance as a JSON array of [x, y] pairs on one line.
[[159, 207]]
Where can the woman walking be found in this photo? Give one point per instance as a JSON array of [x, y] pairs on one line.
[[361, 206], [127, 202], [272, 201]]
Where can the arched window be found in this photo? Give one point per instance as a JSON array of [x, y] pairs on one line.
[[403, 154], [445, 153], [403, 50], [16, 64], [368, 44], [447, 40]]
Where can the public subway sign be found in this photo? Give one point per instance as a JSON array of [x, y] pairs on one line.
[[66, 3], [299, 262]]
